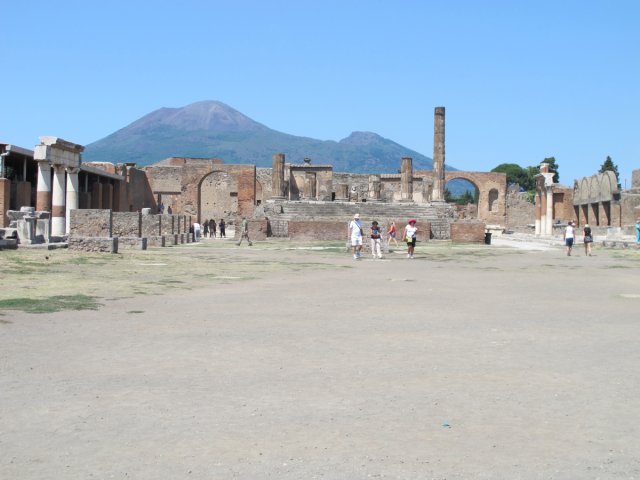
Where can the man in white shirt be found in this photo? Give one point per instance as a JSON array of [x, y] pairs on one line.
[[355, 235], [569, 235]]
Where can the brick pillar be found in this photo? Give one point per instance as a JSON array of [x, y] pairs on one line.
[[549, 216], [5, 198], [72, 200], [107, 196], [43, 189], [277, 175], [438, 155], [310, 190], [406, 179], [543, 212], [58, 209], [96, 195]]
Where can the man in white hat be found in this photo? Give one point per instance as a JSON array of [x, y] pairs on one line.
[[355, 235]]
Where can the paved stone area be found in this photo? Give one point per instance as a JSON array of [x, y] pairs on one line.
[[480, 362]]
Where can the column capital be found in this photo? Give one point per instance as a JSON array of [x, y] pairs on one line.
[[72, 170]]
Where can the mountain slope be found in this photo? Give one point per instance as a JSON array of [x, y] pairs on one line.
[[212, 129]]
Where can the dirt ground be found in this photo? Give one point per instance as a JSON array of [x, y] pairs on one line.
[[293, 361]]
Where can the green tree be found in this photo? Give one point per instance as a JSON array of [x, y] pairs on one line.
[[516, 174], [553, 168], [609, 166]]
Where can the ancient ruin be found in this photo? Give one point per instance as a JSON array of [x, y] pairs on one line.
[[288, 200]]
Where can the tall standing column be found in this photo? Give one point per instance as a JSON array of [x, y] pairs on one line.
[[72, 195], [277, 175], [43, 189], [58, 224], [406, 179], [538, 211], [549, 217], [438, 155]]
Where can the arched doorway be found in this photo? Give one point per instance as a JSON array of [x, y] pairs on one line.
[[464, 194], [218, 197]]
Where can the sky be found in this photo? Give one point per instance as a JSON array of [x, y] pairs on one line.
[[520, 80]]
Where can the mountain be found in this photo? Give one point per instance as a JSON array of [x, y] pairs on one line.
[[211, 129]]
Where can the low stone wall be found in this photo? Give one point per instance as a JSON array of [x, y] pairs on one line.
[[321, 230], [91, 223], [467, 232], [156, 241], [150, 225], [126, 224], [132, 243], [257, 230], [93, 244]]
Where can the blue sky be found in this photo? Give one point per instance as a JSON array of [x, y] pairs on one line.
[[520, 81]]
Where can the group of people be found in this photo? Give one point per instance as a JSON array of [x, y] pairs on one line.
[[570, 238], [356, 233], [208, 229]]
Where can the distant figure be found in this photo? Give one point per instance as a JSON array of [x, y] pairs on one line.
[[161, 208], [569, 235], [375, 240], [196, 232], [409, 235], [392, 232], [244, 231], [638, 231], [212, 228], [169, 211], [355, 235], [205, 229], [222, 227], [588, 240]]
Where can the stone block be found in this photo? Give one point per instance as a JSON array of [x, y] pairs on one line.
[[467, 232], [93, 244], [132, 243], [151, 225], [156, 241], [91, 223], [126, 224]]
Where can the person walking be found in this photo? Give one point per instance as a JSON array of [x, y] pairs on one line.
[[409, 234], [391, 234], [196, 232], [205, 229], [244, 231], [355, 235], [169, 210], [588, 240], [212, 228], [375, 240], [569, 235], [638, 231], [222, 227]]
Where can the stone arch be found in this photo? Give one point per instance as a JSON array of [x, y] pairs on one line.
[[467, 211], [493, 198], [218, 195]]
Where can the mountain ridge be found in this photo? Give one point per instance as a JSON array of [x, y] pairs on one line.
[[212, 129]]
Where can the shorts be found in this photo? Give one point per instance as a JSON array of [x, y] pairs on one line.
[[568, 242], [392, 234], [412, 242], [355, 241]]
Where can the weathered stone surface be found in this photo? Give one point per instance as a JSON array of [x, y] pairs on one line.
[[93, 244], [127, 224], [132, 243], [468, 232], [91, 223]]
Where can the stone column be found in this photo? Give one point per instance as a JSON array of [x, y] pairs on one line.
[[58, 210], [374, 188], [343, 192], [538, 203], [310, 186], [277, 175], [406, 179], [549, 216], [72, 195], [543, 213], [438, 156], [43, 189]]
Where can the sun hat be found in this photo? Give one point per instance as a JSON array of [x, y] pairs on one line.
[[412, 220]]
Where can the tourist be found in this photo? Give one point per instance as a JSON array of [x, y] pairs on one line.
[[638, 231], [588, 240], [161, 208], [375, 240], [196, 232], [169, 211], [205, 228], [392, 232], [355, 235], [222, 226], [569, 234], [244, 231], [212, 228], [409, 236]]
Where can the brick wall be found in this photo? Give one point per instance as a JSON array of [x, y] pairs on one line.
[[323, 230], [91, 223], [467, 232], [126, 224], [5, 198]]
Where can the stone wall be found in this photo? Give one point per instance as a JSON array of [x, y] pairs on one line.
[[467, 232], [94, 244], [5, 199], [91, 223], [520, 212], [264, 185], [322, 230], [150, 225], [138, 193], [126, 224]]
